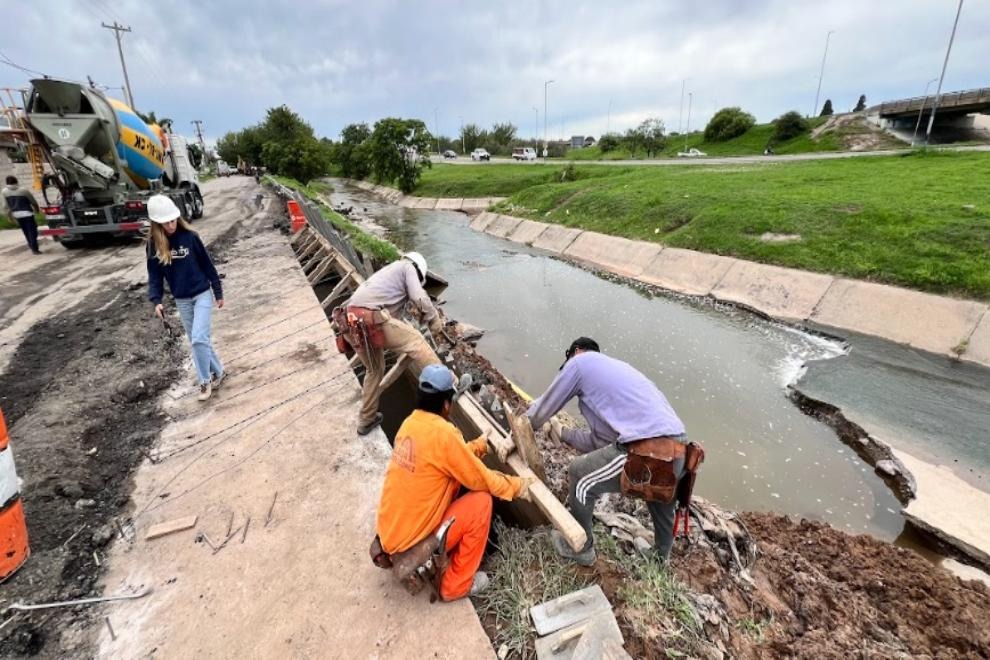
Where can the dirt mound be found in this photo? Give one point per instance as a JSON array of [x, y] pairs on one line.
[[857, 134]]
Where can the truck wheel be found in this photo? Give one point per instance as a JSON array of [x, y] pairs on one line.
[[198, 206], [72, 245]]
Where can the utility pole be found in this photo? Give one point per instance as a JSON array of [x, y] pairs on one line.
[[117, 29], [463, 148], [436, 124], [924, 100], [822, 73], [536, 130], [687, 128], [938, 92], [546, 85], [198, 123]]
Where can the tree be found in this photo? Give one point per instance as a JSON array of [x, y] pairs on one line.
[[789, 125], [827, 108], [727, 124], [860, 104], [471, 137], [353, 154], [398, 151], [503, 134], [609, 142], [649, 136]]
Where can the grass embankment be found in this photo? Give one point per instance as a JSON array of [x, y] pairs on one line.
[[919, 220], [6, 222], [380, 250], [750, 143], [501, 179]]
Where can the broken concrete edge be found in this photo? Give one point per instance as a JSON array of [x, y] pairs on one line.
[[397, 197]]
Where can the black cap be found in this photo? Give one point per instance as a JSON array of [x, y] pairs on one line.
[[583, 343]]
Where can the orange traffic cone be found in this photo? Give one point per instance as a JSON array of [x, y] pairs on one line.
[[14, 549]]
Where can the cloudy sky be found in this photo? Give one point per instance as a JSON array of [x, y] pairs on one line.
[[339, 61]]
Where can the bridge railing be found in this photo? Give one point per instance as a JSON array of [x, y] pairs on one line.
[[948, 100]]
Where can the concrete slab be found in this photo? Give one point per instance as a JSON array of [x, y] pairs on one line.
[[483, 220], [925, 321], [408, 202], [302, 585], [619, 255], [469, 204], [949, 508], [556, 238], [979, 343], [426, 203], [782, 293], [686, 271], [503, 226], [527, 231], [449, 204]]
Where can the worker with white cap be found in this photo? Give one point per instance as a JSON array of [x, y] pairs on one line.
[[177, 255], [374, 323]]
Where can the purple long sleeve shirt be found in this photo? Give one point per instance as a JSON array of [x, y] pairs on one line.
[[619, 403]]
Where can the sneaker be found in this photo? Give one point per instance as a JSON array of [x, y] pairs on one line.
[[205, 391], [365, 429], [217, 381], [479, 584], [35, 251], [584, 558]]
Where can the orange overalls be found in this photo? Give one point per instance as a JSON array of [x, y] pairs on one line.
[[430, 462]]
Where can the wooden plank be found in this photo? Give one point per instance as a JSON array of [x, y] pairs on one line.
[[342, 286], [170, 526], [525, 441], [393, 374], [318, 259], [304, 233], [321, 270]]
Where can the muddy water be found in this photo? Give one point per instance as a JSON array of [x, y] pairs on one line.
[[724, 371]]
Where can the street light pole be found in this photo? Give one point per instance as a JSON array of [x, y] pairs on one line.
[[463, 149], [546, 85], [687, 129], [938, 92], [680, 117], [923, 101], [436, 124], [822, 73], [536, 129]]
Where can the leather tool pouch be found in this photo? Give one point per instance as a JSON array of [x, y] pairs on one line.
[[649, 470], [694, 456], [338, 322], [365, 327]]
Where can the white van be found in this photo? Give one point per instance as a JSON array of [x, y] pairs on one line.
[[524, 153]]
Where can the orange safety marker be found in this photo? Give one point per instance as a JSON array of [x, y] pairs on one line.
[[297, 216], [14, 549]]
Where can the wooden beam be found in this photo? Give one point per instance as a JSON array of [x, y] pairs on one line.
[[315, 262], [170, 526], [342, 286], [300, 235], [393, 374], [320, 272], [525, 441]]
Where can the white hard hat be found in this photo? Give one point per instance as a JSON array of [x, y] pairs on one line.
[[420, 262], [162, 209]]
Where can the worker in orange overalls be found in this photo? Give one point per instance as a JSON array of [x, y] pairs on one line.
[[430, 464]]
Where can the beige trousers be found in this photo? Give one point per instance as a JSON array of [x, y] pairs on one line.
[[401, 338]]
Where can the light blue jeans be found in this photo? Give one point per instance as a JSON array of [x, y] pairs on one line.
[[197, 313]]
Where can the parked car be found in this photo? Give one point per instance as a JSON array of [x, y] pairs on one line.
[[524, 153], [223, 169], [691, 153], [480, 154], [449, 154]]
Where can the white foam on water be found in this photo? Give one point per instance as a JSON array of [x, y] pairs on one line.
[[803, 347]]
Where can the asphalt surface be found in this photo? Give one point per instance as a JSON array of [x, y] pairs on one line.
[[707, 160]]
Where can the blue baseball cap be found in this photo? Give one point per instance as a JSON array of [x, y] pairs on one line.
[[436, 378]]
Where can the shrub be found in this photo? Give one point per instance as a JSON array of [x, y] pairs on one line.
[[789, 125], [827, 108], [610, 142], [727, 124]]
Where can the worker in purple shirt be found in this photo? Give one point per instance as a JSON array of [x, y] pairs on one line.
[[621, 405]]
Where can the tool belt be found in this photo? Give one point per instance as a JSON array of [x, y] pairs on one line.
[[360, 327], [421, 565], [649, 470]]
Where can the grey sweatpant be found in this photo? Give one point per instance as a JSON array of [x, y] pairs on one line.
[[596, 473]]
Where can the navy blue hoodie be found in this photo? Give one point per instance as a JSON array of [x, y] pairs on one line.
[[190, 273]]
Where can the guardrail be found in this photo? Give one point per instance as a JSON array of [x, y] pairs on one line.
[[948, 100]]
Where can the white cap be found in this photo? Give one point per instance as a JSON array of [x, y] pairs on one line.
[[162, 209], [420, 262]]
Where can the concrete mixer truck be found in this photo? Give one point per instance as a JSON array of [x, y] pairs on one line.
[[105, 163]]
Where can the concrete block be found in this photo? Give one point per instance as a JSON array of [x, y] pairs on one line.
[[449, 204], [922, 320], [469, 204], [503, 226], [569, 609], [782, 293], [426, 203], [527, 231], [619, 255], [408, 202], [583, 640], [483, 220], [556, 238], [687, 271], [979, 343]]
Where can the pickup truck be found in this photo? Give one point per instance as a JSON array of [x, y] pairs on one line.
[[480, 154], [524, 153]]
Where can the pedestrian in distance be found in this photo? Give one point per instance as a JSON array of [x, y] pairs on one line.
[[177, 255], [22, 206], [624, 411]]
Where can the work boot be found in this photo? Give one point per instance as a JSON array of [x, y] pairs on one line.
[[479, 584], [218, 380], [585, 558], [205, 391], [365, 429]]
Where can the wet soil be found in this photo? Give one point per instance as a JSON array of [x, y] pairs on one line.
[[81, 400]]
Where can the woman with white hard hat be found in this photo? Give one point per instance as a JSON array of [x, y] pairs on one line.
[[177, 255]]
